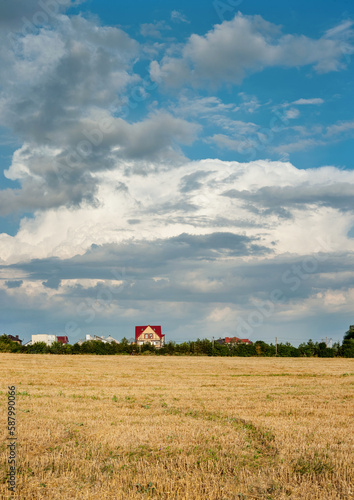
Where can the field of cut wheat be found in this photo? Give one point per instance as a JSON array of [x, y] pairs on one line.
[[135, 427]]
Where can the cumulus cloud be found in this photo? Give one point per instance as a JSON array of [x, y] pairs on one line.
[[67, 71], [335, 195], [157, 276], [201, 197], [65, 114], [146, 258], [54, 177], [207, 235], [22, 15], [115, 210], [248, 44]]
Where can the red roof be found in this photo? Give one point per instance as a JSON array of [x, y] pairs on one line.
[[228, 340], [235, 340], [139, 330], [63, 340]]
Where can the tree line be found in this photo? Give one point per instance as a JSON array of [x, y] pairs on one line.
[[200, 347]]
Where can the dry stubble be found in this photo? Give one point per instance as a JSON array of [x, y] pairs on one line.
[[124, 427]]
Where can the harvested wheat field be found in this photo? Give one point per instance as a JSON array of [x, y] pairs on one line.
[[124, 427]]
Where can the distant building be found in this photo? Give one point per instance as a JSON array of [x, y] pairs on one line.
[[233, 340], [149, 335], [105, 340], [44, 337], [63, 339], [15, 339], [110, 339]]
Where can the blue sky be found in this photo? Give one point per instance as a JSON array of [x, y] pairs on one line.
[[177, 163]]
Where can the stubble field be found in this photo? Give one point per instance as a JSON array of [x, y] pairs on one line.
[[135, 427]]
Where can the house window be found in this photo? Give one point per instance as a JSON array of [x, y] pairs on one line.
[[151, 335], [146, 336]]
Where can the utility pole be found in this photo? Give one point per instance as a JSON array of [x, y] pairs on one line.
[[326, 342], [213, 343], [276, 346]]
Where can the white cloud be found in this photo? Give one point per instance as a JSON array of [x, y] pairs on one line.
[[248, 44], [241, 144], [341, 31], [197, 239], [54, 77], [54, 176], [216, 256], [310, 137], [250, 102], [299, 145], [221, 314], [302, 102], [155, 29], [21, 16], [201, 106], [236, 126], [292, 113], [151, 200], [178, 17], [340, 127]]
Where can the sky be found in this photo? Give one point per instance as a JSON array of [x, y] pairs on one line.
[[174, 163]]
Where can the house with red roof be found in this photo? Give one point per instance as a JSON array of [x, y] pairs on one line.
[[234, 340], [63, 339], [149, 335]]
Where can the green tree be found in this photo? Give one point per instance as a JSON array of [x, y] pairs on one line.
[[184, 348], [347, 349], [245, 350], [67, 349], [350, 333], [57, 348], [8, 345], [38, 348], [309, 349], [324, 351], [287, 350]]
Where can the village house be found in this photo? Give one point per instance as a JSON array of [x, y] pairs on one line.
[[44, 337], [233, 340], [63, 339], [15, 339], [105, 340], [149, 335]]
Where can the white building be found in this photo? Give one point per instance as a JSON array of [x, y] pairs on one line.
[[110, 339], [44, 337], [105, 340]]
